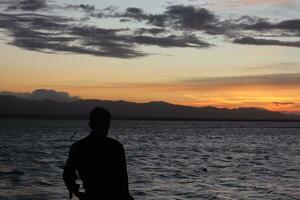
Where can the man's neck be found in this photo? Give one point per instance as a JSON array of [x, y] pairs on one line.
[[98, 134]]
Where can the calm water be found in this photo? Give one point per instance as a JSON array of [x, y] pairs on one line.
[[166, 160]]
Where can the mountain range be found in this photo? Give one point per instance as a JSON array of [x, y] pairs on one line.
[[14, 107]]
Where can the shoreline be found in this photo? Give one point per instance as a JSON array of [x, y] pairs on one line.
[[85, 117]]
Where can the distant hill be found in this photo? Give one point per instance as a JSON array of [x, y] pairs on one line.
[[13, 107]]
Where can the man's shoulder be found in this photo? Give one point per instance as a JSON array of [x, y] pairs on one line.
[[87, 140], [79, 143], [113, 142]]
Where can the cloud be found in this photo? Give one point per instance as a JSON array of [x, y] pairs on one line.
[[54, 34], [42, 94], [157, 20], [262, 24], [188, 17], [135, 13], [171, 41], [280, 80], [283, 103], [85, 7], [176, 16], [254, 41], [58, 34], [288, 24], [183, 18], [285, 28], [130, 13], [28, 5], [153, 31], [291, 80]]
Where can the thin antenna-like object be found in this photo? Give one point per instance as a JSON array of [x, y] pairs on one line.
[[73, 135]]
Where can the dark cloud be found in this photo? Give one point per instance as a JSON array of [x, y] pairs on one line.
[[28, 5], [85, 7], [283, 103], [265, 25], [180, 17], [135, 13], [157, 20], [55, 34], [42, 94], [130, 13], [153, 31], [260, 25], [125, 20], [254, 41], [134, 10], [171, 41], [289, 24], [189, 17], [185, 17], [176, 16]]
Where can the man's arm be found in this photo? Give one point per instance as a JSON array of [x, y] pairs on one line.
[[124, 174], [69, 174]]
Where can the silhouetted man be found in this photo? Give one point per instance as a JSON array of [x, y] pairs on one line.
[[100, 162]]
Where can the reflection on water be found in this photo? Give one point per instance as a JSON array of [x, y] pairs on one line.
[[166, 160]]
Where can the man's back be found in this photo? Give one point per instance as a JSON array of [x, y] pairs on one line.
[[100, 162], [101, 165]]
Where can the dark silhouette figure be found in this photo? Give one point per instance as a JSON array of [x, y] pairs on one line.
[[100, 162]]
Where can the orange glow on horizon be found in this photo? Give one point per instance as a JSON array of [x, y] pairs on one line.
[[275, 98]]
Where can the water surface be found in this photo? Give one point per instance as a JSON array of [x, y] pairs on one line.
[[167, 160]]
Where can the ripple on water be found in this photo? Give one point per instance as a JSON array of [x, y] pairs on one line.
[[166, 160]]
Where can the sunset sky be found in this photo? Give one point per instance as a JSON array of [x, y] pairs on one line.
[[224, 53]]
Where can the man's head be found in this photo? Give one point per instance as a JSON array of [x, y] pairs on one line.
[[100, 120]]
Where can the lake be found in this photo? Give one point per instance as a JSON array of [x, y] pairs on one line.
[[180, 160]]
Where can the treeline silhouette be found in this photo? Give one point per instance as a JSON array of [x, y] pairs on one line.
[[13, 107]]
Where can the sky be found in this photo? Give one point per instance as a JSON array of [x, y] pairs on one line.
[[223, 53]]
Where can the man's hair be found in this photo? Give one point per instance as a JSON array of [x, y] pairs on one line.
[[100, 117]]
